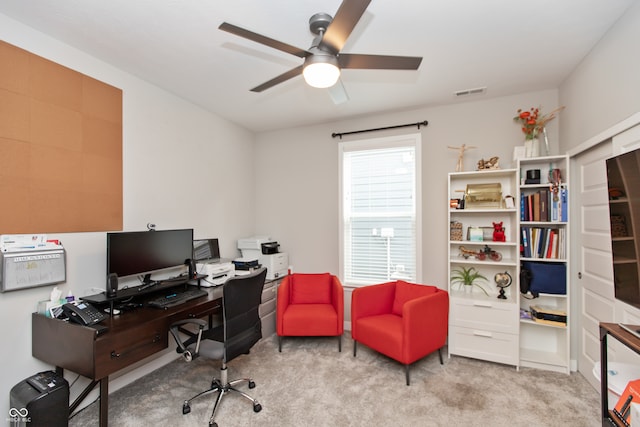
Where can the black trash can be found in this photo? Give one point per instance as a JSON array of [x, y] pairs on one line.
[[40, 400]]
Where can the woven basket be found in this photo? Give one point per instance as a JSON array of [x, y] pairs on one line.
[[455, 230], [618, 226]]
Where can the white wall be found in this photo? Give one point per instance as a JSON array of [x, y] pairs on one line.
[[297, 174], [602, 92], [605, 88], [183, 167]]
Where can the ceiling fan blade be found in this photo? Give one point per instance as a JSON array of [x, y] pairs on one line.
[[345, 19], [338, 93], [259, 38], [277, 80], [378, 62]]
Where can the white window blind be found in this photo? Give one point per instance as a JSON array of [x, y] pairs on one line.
[[380, 210]]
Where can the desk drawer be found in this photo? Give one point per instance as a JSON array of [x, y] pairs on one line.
[[267, 308], [268, 325], [116, 352], [197, 311], [484, 314], [269, 292], [485, 345]]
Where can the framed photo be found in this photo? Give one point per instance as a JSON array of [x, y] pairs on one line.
[[509, 203], [475, 234], [487, 234]]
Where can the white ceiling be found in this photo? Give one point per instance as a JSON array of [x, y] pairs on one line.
[[509, 46]]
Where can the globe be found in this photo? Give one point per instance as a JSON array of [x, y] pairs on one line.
[[503, 280]]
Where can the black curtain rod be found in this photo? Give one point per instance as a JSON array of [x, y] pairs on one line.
[[424, 123]]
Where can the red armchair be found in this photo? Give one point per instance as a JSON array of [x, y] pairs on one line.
[[404, 321], [310, 305]]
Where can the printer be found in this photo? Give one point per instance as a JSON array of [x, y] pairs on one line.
[[265, 250], [216, 272]]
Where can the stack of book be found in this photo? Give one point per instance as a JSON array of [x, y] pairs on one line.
[[548, 315]]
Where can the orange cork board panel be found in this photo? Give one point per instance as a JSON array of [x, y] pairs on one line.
[[60, 148]]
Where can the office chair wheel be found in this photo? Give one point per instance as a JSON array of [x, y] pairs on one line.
[[252, 384], [257, 407], [186, 408]]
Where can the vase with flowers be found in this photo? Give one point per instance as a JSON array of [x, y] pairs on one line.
[[533, 124]]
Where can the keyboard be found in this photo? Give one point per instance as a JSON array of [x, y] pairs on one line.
[[176, 298]]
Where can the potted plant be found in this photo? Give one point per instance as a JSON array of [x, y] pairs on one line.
[[467, 277]]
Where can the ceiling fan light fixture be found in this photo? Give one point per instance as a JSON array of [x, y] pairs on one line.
[[321, 71]]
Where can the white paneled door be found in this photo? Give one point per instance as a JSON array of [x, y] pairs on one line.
[[592, 270], [593, 274]]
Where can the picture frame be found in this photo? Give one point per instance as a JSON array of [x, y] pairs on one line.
[[509, 202], [475, 234], [487, 234]]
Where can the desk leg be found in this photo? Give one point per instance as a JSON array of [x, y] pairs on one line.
[[104, 402], [604, 397]]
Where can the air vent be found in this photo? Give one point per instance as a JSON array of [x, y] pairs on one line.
[[466, 92]]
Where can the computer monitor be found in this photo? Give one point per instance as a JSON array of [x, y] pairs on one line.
[[145, 252], [206, 250]]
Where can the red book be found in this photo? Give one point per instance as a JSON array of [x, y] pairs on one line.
[[552, 234]]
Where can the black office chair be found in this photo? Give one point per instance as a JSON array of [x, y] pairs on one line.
[[241, 329]]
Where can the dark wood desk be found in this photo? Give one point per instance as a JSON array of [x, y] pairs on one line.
[[131, 337], [629, 340]]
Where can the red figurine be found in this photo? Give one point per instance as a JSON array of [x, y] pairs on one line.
[[498, 232]]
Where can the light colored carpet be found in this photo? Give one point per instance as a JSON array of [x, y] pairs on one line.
[[311, 384]]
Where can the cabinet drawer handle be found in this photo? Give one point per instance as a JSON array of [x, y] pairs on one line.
[[155, 339], [482, 304], [483, 334]]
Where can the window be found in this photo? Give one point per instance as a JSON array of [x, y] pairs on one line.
[[380, 210]]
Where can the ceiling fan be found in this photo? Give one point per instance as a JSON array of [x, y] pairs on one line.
[[324, 60]]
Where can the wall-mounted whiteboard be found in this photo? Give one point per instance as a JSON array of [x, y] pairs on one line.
[[19, 270]]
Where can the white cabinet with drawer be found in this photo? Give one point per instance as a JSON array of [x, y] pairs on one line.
[[484, 329], [484, 319]]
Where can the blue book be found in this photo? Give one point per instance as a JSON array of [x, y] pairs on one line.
[[539, 248], [525, 242], [554, 209], [522, 209], [563, 204]]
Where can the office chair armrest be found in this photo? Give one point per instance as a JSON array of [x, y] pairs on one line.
[[182, 346]]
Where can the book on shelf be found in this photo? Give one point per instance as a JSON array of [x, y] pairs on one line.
[[526, 249], [542, 242], [554, 248], [544, 206], [548, 315], [541, 239], [549, 322]]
